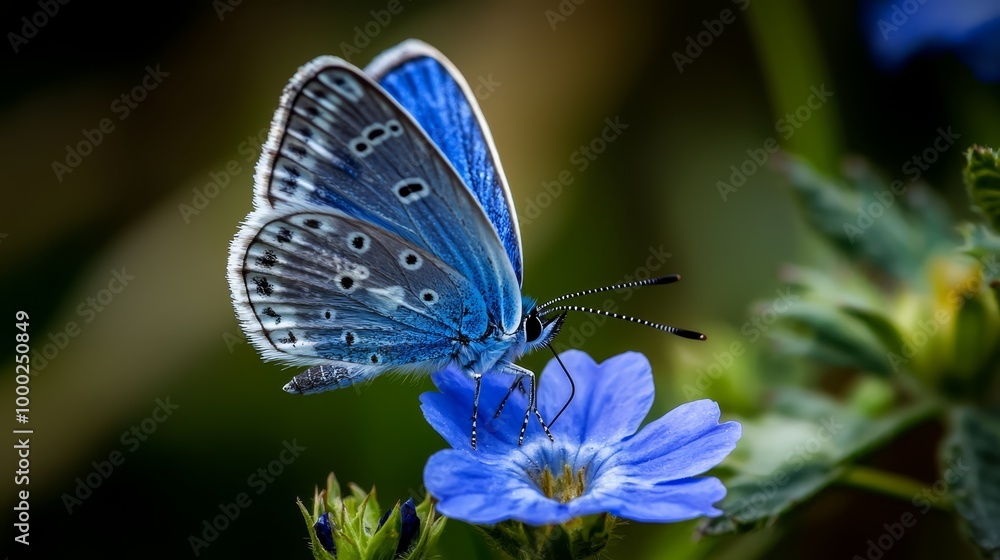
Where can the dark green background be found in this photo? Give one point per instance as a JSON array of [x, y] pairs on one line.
[[172, 332]]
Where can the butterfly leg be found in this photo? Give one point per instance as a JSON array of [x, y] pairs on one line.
[[519, 382], [532, 400], [475, 405]]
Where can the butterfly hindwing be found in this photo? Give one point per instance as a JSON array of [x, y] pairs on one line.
[[434, 92], [338, 141], [325, 287]]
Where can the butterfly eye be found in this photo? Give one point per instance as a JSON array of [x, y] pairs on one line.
[[532, 328]]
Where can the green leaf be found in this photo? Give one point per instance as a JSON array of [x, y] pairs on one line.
[[982, 179], [878, 324], [810, 440], [865, 223], [971, 452], [753, 500], [841, 338]]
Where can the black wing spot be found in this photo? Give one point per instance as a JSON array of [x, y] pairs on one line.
[[297, 150], [312, 111], [306, 132], [394, 127], [293, 171], [264, 288], [319, 93], [288, 185], [327, 314], [268, 259], [376, 133], [273, 314], [407, 189], [312, 223], [374, 358], [290, 339], [358, 242], [346, 282], [339, 80], [284, 235], [411, 259], [361, 147], [348, 338]]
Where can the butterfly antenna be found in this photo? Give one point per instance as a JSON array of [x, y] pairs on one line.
[[684, 333], [659, 281], [572, 385]]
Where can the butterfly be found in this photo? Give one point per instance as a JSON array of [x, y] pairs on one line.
[[383, 235]]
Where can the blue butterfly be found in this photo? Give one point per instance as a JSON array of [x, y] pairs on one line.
[[383, 235]]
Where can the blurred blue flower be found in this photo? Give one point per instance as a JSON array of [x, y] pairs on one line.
[[598, 463], [899, 29]]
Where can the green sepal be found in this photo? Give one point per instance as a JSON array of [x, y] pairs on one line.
[[576, 539]]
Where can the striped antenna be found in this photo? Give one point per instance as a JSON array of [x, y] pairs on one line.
[[662, 280], [684, 333]]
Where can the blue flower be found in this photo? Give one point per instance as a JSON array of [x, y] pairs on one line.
[[900, 29], [598, 463]]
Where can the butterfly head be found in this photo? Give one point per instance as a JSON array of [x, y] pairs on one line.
[[539, 327]]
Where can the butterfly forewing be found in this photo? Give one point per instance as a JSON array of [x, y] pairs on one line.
[[451, 117], [343, 143], [325, 286]]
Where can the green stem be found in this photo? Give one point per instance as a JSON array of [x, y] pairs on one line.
[[791, 57], [889, 484]]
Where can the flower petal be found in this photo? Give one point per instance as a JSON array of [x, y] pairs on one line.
[[485, 493], [611, 400], [654, 503], [449, 411], [685, 442]]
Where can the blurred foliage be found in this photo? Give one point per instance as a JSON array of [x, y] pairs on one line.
[[911, 326]]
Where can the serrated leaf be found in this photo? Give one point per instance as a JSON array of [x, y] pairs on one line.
[[982, 180], [813, 438], [878, 324], [750, 501], [838, 336], [972, 448], [844, 216]]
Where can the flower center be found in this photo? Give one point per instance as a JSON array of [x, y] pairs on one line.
[[563, 488]]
